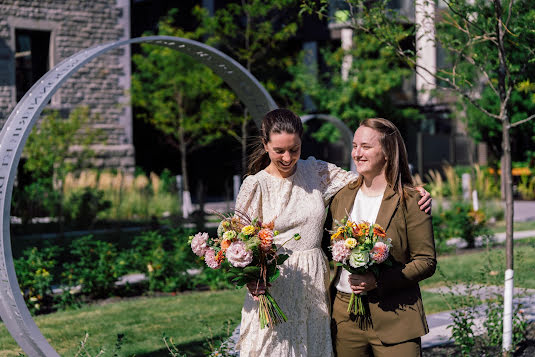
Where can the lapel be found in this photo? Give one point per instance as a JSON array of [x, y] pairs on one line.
[[388, 207]]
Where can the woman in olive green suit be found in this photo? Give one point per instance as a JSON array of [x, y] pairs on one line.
[[383, 194]]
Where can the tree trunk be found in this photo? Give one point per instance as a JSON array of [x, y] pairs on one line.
[[187, 207], [507, 179]]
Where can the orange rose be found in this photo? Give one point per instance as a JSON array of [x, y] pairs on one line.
[[225, 244]]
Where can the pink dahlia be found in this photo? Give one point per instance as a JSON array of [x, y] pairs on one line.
[[211, 259], [379, 252], [340, 251], [199, 244], [238, 255]]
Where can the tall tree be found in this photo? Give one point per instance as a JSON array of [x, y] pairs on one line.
[[252, 32], [180, 97], [375, 77], [490, 50], [57, 146]]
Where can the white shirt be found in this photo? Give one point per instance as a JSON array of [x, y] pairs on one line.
[[365, 208]]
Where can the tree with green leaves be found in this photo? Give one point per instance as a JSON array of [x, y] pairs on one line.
[[56, 147], [180, 97], [491, 64], [252, 32], [376, 74]]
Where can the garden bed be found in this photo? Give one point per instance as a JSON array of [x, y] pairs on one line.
[[525, 349]]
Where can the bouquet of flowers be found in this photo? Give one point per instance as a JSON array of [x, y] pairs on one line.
[[244, 248], [358, 248]]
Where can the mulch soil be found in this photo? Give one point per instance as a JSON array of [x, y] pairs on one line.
[[524, 349]]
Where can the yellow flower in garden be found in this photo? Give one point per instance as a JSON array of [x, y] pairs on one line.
[[350, 243], [248, 230]]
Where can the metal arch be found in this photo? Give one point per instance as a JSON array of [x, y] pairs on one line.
[[18, 126], [347, 134]]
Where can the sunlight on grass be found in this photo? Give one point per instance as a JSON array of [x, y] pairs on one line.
[[518, 226], [186, 318], [485, 267]]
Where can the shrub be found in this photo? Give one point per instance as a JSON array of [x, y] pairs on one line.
[[83, 206], [35, 276], [526, 187], [462, 221], [165, 258], [92, 265]]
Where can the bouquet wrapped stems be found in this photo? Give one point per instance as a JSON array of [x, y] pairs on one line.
[[269, 312], [356, 306]]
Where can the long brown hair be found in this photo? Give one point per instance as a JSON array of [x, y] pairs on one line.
[[397, 172], [276, 121]]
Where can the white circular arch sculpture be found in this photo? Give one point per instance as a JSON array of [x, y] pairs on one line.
[[18, 126], [347, 134]]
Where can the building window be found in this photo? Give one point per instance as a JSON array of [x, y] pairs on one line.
[[32, 55]]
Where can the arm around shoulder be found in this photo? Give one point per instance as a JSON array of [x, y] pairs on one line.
[[421, 253]]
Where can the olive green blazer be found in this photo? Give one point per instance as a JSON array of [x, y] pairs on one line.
[[396, 307]]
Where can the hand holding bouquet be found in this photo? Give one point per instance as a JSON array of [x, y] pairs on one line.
[[359, 248], [245, 248]]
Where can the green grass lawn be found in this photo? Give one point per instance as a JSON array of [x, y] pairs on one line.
[[486, 267], [190, 319], [518, 226]]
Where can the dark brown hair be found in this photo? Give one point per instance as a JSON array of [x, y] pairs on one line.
[[397, 172], [276, 121]]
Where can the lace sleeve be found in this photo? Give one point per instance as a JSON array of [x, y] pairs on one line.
[[332, 178], [249, 198]]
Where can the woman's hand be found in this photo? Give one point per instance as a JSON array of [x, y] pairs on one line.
[[362, 282], [425, 201], [257, 288]]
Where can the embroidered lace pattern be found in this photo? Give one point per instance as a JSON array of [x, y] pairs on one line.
[[297, 205]]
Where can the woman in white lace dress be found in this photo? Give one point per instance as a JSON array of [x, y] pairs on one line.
[[294, 194]]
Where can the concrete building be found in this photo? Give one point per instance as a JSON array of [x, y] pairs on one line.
[[36, 35]]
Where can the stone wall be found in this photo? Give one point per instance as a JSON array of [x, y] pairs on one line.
[[101, 84]]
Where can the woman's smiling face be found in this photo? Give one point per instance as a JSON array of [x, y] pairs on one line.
[[368, 152], [284, 151]]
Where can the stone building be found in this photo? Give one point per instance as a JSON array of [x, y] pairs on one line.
[[36, 35]]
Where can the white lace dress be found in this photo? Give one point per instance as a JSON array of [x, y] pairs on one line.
[[297, 205]]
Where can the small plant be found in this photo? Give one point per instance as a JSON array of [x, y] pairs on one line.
[[461, 330], [453, 181], [526, 187], [164, 257], [487, 185], [494, 323], [83, 206], [35, 273], [462, 221], [92, 266]]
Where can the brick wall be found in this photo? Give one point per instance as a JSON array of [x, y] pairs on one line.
[[101, 84]]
